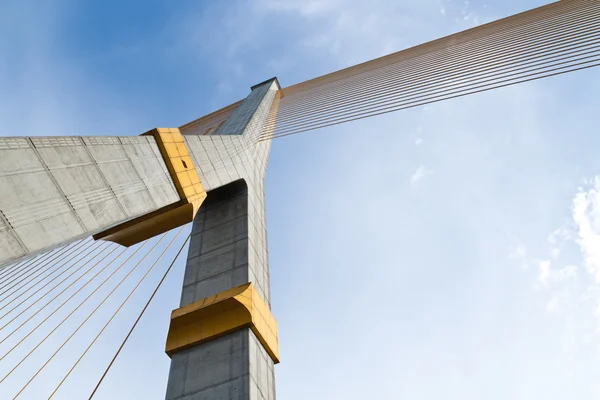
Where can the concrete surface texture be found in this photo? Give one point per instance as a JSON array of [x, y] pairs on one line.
[[54, 190]]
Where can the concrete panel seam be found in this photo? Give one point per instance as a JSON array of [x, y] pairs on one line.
[[204, 278], [208, 253], [172, 150], [111, 161], [27, 214], [192, 153], [12, 232], [89, 154], [191, 394], [22, 171], [58, 188], [101, 140], [137, 173], [12, 142], [59, 141]]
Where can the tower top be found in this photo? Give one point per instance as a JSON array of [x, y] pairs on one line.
[[267, 81]]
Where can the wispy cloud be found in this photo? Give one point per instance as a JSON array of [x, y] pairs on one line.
[[574, 291], [442, 8], [549, 276], [586, 215], [557, 239], [553, 304], [419, 174], [519, 253]]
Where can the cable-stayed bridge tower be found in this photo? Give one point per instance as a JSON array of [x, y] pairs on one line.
[[129, 193]]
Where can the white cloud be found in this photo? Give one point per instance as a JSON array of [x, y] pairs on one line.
[[519, 253], [442, 8], [549, 276], [544, 267], [308, 8], [418, 138], [465, 8], [574, 291], [419, 174], [586, 215], [553, 304], [566, 273], [557, 240]]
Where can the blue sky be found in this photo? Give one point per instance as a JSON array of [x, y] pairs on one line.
[[450, 251]]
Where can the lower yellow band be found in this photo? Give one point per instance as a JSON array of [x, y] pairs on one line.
[[226, 312], [180, 165]]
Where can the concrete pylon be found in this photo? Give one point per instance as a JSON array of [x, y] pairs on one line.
[[223, 339]]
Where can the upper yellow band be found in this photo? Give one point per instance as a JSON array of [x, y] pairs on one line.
[[187, 183], [180, 165]]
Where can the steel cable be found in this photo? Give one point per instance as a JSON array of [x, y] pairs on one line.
[[448, 43], [445, 96], [386, 103], [49, 282], [308, 112], [315, 120], [41, 267], [139, 318], [6, 269], [448, 97], [540, 43], [34, 261], [432, 59], [112, 317], [90, 249], [89, 316], [58, 295], [72, 312]]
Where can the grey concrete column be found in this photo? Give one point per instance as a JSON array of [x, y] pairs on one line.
[[228, 248], [235, 366]]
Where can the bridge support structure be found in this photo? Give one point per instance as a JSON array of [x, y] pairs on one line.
[[223, 339]]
